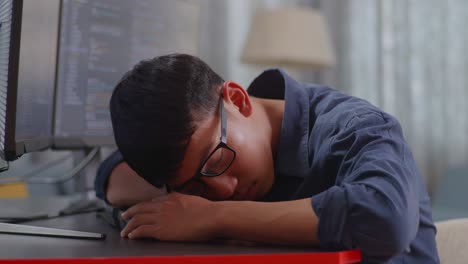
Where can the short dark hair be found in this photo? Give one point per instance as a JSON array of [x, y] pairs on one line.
[[154, 108]]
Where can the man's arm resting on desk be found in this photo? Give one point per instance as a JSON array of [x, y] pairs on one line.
[[179, 217], [126, 188], [288, 223]]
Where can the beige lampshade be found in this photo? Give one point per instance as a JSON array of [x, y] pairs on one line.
[[289, 37]]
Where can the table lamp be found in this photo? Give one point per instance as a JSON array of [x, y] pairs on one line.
[[291, 37]]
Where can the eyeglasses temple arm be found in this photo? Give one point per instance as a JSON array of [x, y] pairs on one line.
[[223, 120]]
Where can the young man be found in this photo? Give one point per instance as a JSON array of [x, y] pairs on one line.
[[291, 163]]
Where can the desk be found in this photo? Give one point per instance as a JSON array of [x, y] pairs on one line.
[[21, 249]]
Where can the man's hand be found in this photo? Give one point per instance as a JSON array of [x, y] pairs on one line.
[[172, 217]]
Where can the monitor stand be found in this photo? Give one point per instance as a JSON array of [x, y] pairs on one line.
[[75, 180]]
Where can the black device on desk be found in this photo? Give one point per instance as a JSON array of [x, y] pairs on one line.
[[113, 217]]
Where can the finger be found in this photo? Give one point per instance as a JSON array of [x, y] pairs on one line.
[[144, 231], [136, 221], [140, 208]]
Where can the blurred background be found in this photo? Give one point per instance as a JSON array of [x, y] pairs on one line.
[[408, 57]]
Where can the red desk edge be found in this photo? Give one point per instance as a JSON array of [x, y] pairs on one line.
[[348, 256]]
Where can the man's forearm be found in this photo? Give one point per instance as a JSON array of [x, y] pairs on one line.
[[126, 188], [288, 223]]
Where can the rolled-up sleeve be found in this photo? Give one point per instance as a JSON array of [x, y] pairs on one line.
[[374, 205], [104, 172]]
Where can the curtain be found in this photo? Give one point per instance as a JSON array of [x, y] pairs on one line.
[[410, 58]]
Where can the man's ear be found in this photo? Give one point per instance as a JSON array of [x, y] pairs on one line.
[[234, 94]]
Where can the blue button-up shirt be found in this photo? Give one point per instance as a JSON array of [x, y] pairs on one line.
[[352, 159]]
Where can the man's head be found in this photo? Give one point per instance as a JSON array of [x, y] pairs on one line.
[[166, 120]]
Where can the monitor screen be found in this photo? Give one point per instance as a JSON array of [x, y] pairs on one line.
[[99, 41], [36, 79], [27, 59]]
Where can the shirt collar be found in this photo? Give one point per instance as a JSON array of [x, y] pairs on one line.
[[293, 153]]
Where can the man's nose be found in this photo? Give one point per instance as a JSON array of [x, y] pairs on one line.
[[221, 187]]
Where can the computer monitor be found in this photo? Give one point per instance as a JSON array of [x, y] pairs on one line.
[[26, 81], [101, 40]]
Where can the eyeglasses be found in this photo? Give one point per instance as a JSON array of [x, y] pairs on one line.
[[219, 160]]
